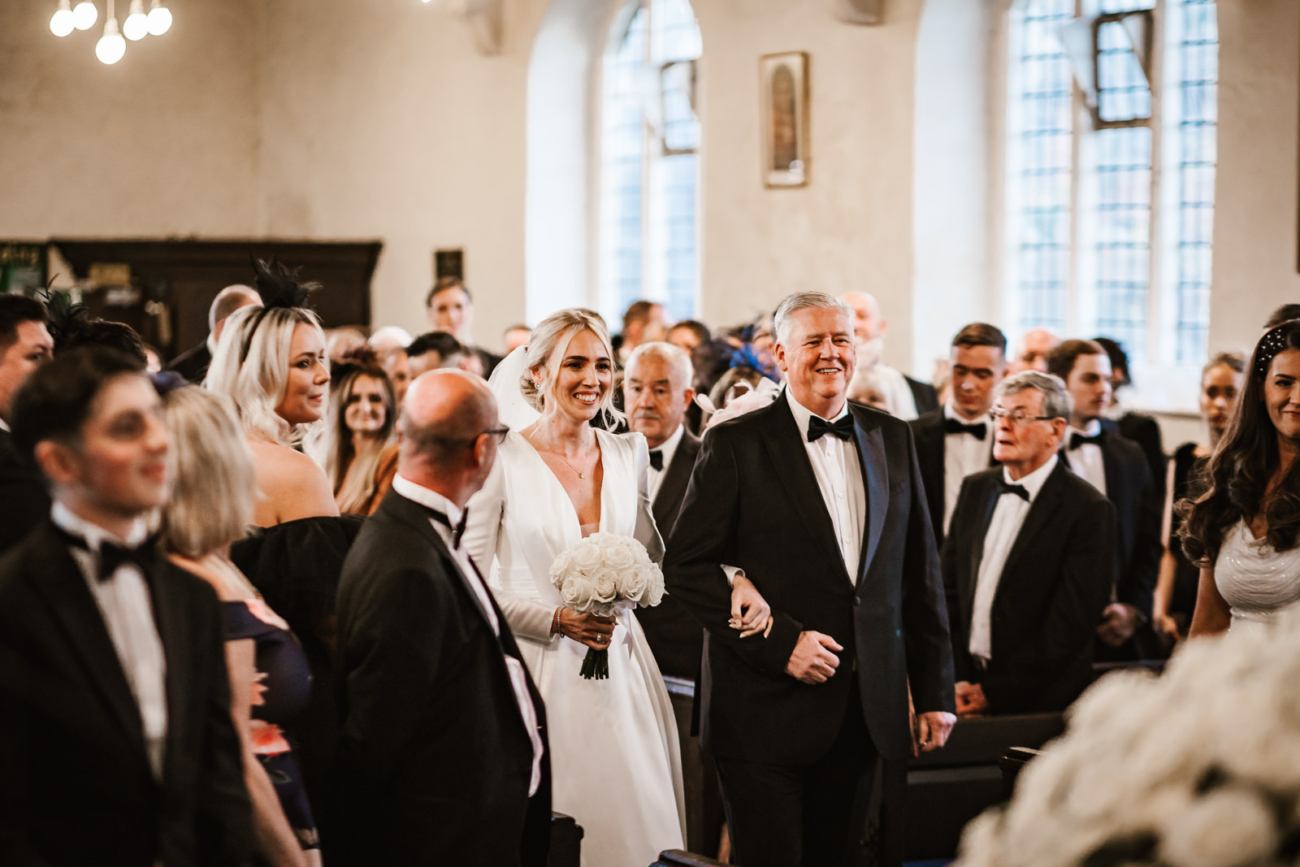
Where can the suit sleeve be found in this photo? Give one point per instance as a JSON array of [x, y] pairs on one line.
[[703, 539], [1083, 588], [1137, 584], [925, 614], [224, 813], [950, 561]]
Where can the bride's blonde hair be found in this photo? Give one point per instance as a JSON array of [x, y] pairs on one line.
[[554, 332]]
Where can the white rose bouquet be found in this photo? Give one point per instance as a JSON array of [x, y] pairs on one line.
[[600, 574]]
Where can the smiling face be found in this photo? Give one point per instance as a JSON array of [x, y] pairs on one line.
[[1220, 388], [451, 311], [307, 384], [1089, 386], [366, 409], [976, 370], [581, 375], [31, 348], [818, 357], [1282, 394]]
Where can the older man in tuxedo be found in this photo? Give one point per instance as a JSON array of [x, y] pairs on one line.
[[116, 740], [954, 441], [442, 757], [1118, 468], [820, 503], [1029, 562]]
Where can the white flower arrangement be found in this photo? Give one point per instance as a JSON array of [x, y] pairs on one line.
[[600, 574], [1199, 767]]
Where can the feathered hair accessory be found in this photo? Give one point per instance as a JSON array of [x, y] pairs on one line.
[[66, 320], [279, 287]]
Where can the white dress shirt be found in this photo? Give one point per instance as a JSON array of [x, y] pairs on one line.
[[1008, 518], [124, 602], [1087, 460], [839, 476], [518, 678], [668, 449], [963, 454]]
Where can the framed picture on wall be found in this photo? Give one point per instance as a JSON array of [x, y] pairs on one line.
[[784, 98]]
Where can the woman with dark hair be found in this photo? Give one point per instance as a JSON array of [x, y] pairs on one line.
[[1175, 596], [1243, 531], [364, 416]]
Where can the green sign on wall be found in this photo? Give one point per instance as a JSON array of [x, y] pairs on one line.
[[22, 267]]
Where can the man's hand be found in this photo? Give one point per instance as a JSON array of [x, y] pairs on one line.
[[971, 700], [812, 660], [1118, 623], [933, 728]]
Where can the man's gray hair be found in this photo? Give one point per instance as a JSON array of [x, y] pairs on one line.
[[229, 300], [674, 356], [792, 304], [1056, 400]]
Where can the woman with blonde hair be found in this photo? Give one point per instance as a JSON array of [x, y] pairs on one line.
[[210, 507]]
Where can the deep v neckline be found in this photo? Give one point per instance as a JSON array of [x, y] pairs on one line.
[[555, 480]]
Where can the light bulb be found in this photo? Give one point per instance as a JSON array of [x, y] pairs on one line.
[[111, 45], [160, 19], [62, 22], [136, 25], [85, 15]]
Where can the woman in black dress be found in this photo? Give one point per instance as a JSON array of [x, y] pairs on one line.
[[1175, 597]]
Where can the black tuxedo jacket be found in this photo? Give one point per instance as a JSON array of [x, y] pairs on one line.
[[931, 455], [753, 502], [1053, 588], [1145, 431], [675, 638], [75, 782], [24, 500], [193, 363], [924, 395], [434, 761], [1139, 506]]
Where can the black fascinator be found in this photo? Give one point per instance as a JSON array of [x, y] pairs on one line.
[[279, 287], [71, 325]]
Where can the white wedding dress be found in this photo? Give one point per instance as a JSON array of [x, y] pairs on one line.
[[615, 759]]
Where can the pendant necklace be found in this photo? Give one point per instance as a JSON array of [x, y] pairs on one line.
[[552, 450]]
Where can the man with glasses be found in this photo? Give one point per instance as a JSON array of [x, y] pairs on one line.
[[442, 757], [1029, 563]]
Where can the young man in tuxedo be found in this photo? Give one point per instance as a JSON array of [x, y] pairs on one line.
[[193, 363], [1118, 468], [25, 344], [954, 441], [820, 504], [656, 394], [1029, 562], [116, 741], [442, 757]]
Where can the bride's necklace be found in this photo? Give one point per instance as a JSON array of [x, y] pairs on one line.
[[551, 448]]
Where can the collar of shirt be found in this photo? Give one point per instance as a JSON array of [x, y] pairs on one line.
[[950, 413], [4, 426], [1091, 429], [94, 534], [803, 415], [1033, 483], [669, 448], [427, 498]]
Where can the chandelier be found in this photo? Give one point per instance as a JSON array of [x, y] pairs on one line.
[[112, 45]]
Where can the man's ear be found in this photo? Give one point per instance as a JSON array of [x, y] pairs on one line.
[[60, 464], [690, 397]]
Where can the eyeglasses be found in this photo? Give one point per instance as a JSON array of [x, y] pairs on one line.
[[1017, 418], [498, 432]]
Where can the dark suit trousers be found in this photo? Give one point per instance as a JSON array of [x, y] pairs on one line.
[[811, 815]]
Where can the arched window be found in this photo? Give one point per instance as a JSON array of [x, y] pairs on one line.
[[1098, 241], [650, 136]]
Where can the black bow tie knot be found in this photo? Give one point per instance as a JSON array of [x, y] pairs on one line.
[[113, 556], [456, 531], [1077, 439], [819, 427], [657, 460], [1015, 490], [979, 430]]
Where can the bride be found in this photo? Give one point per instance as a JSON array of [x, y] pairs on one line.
[[615, 758]]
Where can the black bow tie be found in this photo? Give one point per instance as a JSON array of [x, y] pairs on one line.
[[952, 426], [456, 531], [144, 557], [1017, 490], [818, 426], [657, 460], [1078, 439]]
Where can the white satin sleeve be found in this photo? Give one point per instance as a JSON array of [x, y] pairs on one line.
[[646, 532], [528, 618]]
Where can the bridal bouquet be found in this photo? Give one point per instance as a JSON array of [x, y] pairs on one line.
[[599, 575], [1197, 768]]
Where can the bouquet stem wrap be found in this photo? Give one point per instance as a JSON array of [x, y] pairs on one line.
[[595, 665]]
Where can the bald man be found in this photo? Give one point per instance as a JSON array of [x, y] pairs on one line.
[[442, 757], [193, 363], [1032, 351], [905, 398]]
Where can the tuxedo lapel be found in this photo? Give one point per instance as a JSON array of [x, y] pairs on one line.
[[784, 443], [988, 503], [875, 481], [677, 476], [1115, 481], [1040, 513], [59, 580], [176, 651]]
